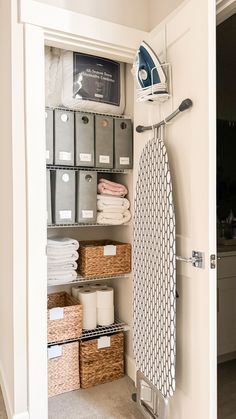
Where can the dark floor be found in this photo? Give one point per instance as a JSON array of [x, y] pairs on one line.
[[227, 390]]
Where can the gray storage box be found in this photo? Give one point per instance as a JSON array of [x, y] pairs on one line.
[[49, 198], [123, 143], [86, 196], [49, 135], [84, 139], [63, 185], [104, 141], [64, 138]]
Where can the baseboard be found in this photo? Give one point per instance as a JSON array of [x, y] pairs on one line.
[[9, 408], [130, 367]]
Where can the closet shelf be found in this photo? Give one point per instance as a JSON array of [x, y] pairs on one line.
[[94, 169], [87, 225], [85, 280], [118, 326]]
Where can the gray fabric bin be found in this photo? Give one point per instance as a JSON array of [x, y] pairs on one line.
[[49, 198], [49, 135], [104, 141], [86, 197], [64, 137], [63, 187], [123, 143], [84, 139]]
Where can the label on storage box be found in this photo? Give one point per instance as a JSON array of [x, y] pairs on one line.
[[87, 213], [104, 159], [54, 351], [65, 156], [85, 157], [65, 215], [56, 313], [124, 160], [109, 250], [104, 342]]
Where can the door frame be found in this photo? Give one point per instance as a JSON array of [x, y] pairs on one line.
[[49, 25]]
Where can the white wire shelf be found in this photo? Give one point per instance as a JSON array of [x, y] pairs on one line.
[[117, 326], [93, 169], [87, 225], [85, 280]]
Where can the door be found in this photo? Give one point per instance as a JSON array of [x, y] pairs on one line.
[[189, 34]]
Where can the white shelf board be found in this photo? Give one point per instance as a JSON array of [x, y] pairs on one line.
[[82, 280], [117, 326]]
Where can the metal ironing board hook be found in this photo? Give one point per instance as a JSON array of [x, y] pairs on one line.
[[186, 104], [196, 259]]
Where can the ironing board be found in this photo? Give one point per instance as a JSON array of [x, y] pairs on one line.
[[154, 260]]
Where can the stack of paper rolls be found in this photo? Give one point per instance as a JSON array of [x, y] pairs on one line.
[[88, 299], [76, 288], [105, 306]]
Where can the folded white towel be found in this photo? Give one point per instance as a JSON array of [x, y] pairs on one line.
[[61, 267], [55, 260], [63, 243], [62, 276], [62, 255], [113, 218], [116, 204]]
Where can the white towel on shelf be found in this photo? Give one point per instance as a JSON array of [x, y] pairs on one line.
[[112, 203], [62, 276], [54, 260], [63, 243], [61, 267], [113, 218], [61, 255]]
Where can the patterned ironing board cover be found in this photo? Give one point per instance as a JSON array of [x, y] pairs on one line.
[[154, 290]]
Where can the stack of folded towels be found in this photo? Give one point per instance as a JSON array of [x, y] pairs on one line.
[[113, 207], [62, 256]]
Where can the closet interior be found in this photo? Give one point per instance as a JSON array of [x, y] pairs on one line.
[[226, 217], [89, 162]]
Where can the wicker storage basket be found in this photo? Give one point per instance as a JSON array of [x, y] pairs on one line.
[[93, 262], [98, 366], [63, 370], [70, 325]]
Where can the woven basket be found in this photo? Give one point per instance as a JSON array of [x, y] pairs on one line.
[[92, 261], [63, 371], [98, 366], [70, 326]]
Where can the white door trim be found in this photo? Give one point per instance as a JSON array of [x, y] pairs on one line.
[[224, 9], [92, 32]]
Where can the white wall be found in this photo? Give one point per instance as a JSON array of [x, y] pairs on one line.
[[132, 13], [140, 14], [157, 13], [13, 358]]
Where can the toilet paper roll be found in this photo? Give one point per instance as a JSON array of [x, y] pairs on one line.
[[105, 297], [78, 288], [97, 285], [88, 298], [105, 316], [89, 318]]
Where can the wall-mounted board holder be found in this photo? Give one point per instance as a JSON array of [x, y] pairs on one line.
[[185, 104]]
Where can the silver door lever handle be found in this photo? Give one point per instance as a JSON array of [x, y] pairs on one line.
[[196, 260]]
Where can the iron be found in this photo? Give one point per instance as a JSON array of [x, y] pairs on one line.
[[149, 71]]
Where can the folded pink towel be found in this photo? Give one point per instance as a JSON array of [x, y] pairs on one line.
[[106, 187]]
